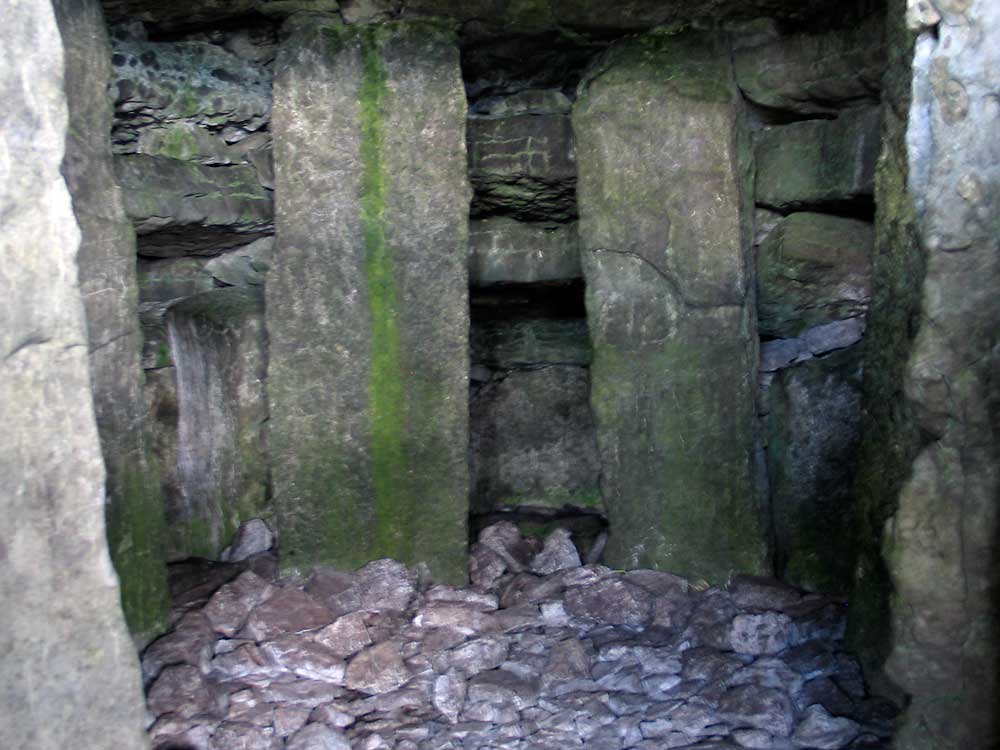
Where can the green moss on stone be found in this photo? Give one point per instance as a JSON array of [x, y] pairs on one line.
[[393, 500], [136, 530]]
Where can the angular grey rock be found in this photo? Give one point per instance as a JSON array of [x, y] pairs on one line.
[[305, 657], [238, 736], [378, 669], [318, 737], [229, 607], [245, 663], [760, 708], [767, 633], [757, 739], [500, 687], [287, 611], [486, 568], [612, 602], [522, 166], [811, 270], [288, 721], [346, 635], [818, 163], [781, 353], [300, 694], [245, 266], [820, 730], [335, 589], [173, 731], [180, 690], [371, 267], [504, 539], [475, 656], [442, 593], [252, 538], [190, 642], [819, 72], [756, 592], [559, 553], [502, 251], [449, 695], [659, 122], [70, 670], [386, 585], [839, 334], [465, 618], [183, 208]]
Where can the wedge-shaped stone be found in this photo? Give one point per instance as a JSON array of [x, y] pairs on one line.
[[367, 300], [664, 228]]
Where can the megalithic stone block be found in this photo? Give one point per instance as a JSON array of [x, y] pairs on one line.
[[107, 267], [367, 302], [70, 672], [664, 179]]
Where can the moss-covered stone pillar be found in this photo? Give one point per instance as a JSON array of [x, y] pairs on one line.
[[367, 302], [925, 603], [664, 176], [107, 263]]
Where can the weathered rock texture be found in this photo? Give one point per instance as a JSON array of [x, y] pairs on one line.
[[503, 250], [818, 72], [217, 343], [813, 430], [824, 164], [523, 166], [663, 188], [70, 674], [107, 280], [929, 465], [183, 208], [533, 440], [370, 288]]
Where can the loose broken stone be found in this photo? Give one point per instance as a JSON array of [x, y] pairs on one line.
[[767, 633], [252, 538], [557, 554], [287, 611], [180, 690], [230, 606], [611, 601], [318, 737], [378, 669], [820, 730]]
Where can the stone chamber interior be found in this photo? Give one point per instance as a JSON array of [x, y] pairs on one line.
[[516, 375]]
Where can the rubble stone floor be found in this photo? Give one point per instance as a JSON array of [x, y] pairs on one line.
[[540, 653]]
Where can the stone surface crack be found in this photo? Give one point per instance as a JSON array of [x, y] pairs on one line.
[[672, 282], [27, 343]]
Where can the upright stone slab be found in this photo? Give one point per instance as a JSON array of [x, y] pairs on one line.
[[218, 344], [107, 265], [929, 464], [70, 675], [663, 178], [367, 302]]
